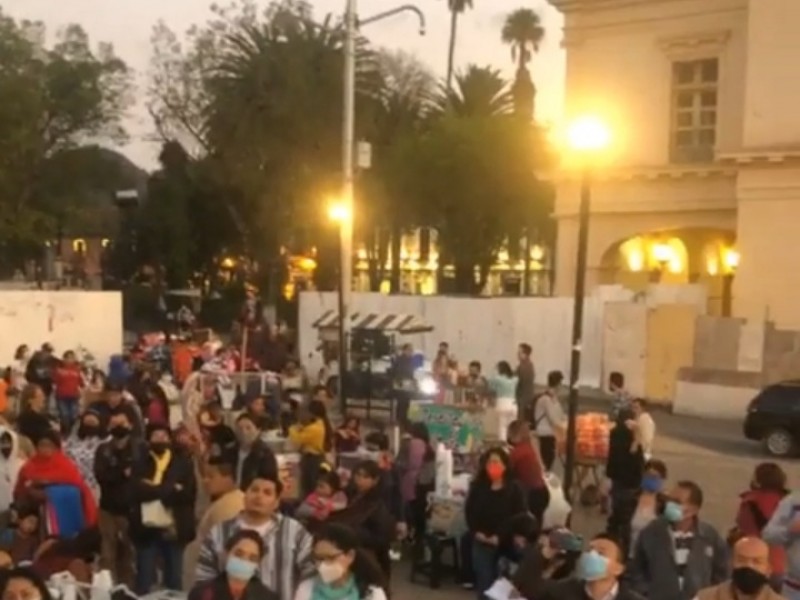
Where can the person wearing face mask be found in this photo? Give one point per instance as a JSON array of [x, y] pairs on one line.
[[244, 552], [82, 447], [493, 499], [598, 575], [750, 576], [162, 481], [344, 572], [646, 505], [679, 554], [10, 463], [113, 465], [287, 559], [254, 455]]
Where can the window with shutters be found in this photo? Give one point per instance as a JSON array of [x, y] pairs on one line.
[[695, 89]]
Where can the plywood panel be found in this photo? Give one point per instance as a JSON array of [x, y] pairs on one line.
[[624, 343], [670, 346], [484, 329], [65, 319]]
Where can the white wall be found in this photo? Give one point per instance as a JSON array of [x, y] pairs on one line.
[[713, 401], [66, 319], [484, 329]]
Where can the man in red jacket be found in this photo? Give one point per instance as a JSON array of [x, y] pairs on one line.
[[68, 382], [526, 466]]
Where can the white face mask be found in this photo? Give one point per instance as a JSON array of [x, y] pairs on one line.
[[330, 571]]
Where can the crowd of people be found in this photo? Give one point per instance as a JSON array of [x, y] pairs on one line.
[[97, 477]]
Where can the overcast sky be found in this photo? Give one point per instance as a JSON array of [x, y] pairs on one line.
[[128, 23]]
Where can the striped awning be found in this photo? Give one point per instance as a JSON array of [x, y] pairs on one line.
[[397, 322]]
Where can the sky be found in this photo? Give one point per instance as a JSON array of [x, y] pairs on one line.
[[127, 24]]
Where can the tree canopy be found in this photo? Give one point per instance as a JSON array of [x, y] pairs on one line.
[[53, 99]]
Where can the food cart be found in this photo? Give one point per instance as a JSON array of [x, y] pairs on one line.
[[371, 351]]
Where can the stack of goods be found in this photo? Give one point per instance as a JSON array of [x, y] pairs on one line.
[[592, 431]]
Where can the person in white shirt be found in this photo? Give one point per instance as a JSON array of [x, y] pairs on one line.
[[644, 427], [549, 419], [343, 569]]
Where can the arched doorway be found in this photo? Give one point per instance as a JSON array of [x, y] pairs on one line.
[[678, 256]]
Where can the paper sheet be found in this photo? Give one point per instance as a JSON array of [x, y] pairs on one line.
[[500, 590]]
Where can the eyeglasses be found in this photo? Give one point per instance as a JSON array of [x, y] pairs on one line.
[[318, 560]]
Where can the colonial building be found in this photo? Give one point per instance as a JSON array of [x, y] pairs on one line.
[[702, 183]]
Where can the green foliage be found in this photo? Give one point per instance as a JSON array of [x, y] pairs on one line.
[[183, 224], [51, 101]]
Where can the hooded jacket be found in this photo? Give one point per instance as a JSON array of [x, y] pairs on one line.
[[10, 464]]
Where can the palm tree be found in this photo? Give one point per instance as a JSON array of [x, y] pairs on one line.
[[523, 31], [456, 8], [478, 92]]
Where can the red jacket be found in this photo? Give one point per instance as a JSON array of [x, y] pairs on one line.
[[526, 466], [755, 510]]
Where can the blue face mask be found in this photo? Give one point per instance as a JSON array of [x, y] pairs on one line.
[[240, 569], [651, 484], [592, 566], [673, 512]]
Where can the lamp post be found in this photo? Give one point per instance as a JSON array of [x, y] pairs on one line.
[[730, 262], [587, 137], [351, 27], [341, 214]]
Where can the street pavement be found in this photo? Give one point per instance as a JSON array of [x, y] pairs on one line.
[[712, 453]]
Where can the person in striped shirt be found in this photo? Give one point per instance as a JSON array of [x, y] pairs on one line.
[[287, 558]]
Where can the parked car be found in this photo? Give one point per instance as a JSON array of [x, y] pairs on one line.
[[773, 418]]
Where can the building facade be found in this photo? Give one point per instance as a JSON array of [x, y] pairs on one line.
[[702, 184]]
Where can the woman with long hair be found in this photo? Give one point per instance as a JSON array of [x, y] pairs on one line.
[[624, 468], [503, 386], [526, 465], [493, 499], [417, 471], [239, 580], [344, 571], [82, 447]]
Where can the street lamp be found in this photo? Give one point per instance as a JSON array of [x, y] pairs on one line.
[[587, 137], [730, 262], [351, 27], [341, 213]]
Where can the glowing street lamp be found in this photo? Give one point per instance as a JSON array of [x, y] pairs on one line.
[[587, 136], [731, 260], [340, 212]]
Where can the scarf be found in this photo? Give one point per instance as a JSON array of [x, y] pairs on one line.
[[323, 591], [162, 463], [56, 469]]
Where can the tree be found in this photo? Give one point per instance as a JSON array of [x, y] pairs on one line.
[[523, 31], [51, 101], [260, 94], [457, 7], [479, 91], [404, 101], [472, 174], [183, 226]]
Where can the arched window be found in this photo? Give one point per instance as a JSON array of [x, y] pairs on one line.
[[79, 246]]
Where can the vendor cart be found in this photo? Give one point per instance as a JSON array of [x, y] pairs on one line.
[[372, 348]]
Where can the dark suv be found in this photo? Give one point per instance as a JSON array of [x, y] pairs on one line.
[[773, 418]]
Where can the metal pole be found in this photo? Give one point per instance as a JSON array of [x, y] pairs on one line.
[[727, 295], [577, 328], [348, 168]]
